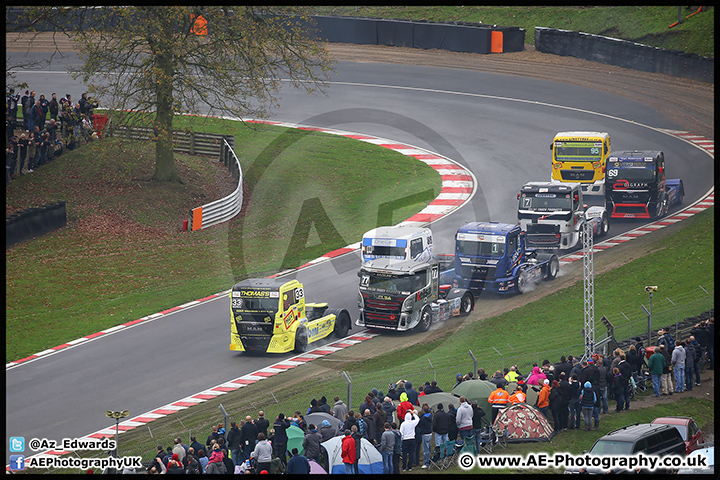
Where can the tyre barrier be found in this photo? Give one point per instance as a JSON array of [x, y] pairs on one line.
[[34, 222]]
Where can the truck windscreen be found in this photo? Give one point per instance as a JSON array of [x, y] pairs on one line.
[[578, 151], [475, 248], [397, 253], [546, 202], [643, 173], [392, 283], [269, 305]]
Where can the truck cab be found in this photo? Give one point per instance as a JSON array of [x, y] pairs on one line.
[[398, 243], [635, 185], [403, 295], [580, 157], [553, 214], [271, 315]]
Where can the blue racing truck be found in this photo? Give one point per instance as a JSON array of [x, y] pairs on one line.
[[493, 256]]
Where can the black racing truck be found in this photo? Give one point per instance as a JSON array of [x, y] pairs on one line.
[[635, 185]]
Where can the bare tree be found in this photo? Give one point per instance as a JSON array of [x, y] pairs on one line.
[[163, 60]]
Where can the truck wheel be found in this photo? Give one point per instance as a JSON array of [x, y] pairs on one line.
[[301, 340], [425, 321], [604, 226], [342, 323], [521, 284], [553, 268], [466, 304]]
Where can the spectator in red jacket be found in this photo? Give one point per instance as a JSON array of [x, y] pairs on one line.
[[348, 453]]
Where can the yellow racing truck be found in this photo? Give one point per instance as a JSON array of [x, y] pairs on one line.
[[270, 315], [581, 157]]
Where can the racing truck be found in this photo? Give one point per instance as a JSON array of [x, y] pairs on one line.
[[493, 256], [580, 157], [403, 285], [553, 215], [405, 295], [635, 185], [270, 315]]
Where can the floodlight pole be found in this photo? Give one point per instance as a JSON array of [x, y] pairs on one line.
[[588, 290]]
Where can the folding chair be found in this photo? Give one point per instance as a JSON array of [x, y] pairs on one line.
[[487, 440], [437, 460], [469, 446], [501, 436], [450, 453]]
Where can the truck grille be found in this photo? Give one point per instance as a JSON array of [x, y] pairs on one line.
[[381, 313], [542, 240], [254, 328], [577, 175], [478, 272], [542, 228]]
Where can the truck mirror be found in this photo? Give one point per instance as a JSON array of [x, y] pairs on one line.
[[358, 274]]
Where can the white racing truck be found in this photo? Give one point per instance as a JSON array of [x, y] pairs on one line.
[[552, 215]]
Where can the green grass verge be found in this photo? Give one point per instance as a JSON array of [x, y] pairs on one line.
[[642, 24], [123, 254]]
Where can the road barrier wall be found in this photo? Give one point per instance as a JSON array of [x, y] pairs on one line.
[[453, 36], [624, 53]]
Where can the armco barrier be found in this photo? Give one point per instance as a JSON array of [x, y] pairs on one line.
[[625, 54], [225, 208], [34, 222]]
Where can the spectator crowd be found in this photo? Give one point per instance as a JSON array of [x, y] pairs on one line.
[[571, 394], [39, 129]]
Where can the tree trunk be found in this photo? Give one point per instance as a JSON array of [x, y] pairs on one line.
[[164, 158]]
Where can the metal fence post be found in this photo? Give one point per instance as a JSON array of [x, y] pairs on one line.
[[433, 369], [502, 358], [226, 419], [676, 318], [629, 324], [709, 297], [348, 380], [474, 362]]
